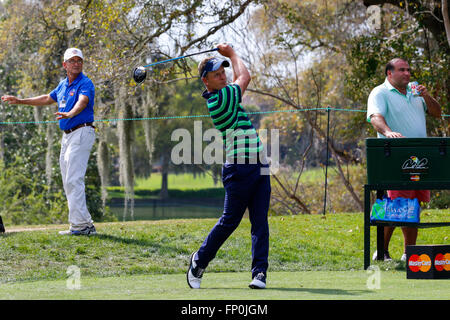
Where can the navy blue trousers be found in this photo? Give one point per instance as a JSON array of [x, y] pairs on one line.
[[245, 187]]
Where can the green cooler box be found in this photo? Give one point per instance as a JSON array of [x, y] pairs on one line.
[[408, 161]]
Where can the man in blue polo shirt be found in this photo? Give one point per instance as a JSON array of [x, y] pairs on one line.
[[75, 97]]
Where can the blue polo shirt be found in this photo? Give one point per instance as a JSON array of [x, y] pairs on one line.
[[67, 96]]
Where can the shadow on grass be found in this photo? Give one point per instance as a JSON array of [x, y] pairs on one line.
[[324, 291], [397, 265], [154, 245], [143, 243], [6, 235]]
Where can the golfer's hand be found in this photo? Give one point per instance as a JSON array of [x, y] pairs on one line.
[[63, 115], [422, 91], [393, 134], [226, 50], [10, 99]]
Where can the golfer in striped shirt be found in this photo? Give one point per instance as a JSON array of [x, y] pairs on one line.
[[246, 187]]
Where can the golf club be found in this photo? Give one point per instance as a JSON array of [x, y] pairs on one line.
[[140, 73]]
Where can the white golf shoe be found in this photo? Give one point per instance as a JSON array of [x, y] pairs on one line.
[[194, 274], [258, 282]]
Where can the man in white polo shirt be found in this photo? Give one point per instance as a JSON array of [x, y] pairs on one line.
[[395, 112]]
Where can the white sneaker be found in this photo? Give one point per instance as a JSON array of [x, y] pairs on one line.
[[85, 232], [258, 282], [194, 274], [387, 257]]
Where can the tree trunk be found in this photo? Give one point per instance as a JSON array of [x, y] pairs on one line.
[[336, 157], [49, 135], [446, 19], [103, 160], [125, 132], [103, 166], [164, 193], [37, 112], [149, 129], [337, 154], [427, 18]]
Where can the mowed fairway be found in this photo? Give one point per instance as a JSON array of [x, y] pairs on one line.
[[307, 285], [311, 257]]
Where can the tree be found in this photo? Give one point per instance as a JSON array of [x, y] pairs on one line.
[[178, 99], [417, 34], [343, 59], [432, 14], [115, 36], [445, 15]]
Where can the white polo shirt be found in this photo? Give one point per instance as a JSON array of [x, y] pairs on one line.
[[403, 113]]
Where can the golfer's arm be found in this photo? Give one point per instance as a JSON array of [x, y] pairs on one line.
[[79, 106], [241, 76], [38, 101], [379, 124], [433, 107]]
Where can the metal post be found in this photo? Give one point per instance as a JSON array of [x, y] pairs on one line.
[[380, 233], [326, 162], [366, 227], [2, 227]]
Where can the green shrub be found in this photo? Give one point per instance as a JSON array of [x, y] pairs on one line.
[[440, 199], [24, 200], [311, 190], [27, 200]]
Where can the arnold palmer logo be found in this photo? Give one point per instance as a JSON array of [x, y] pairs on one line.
[[415, 165]]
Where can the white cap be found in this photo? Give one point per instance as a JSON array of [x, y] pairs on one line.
[[72, 52]]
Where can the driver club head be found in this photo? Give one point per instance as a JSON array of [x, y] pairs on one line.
[[139, 74]]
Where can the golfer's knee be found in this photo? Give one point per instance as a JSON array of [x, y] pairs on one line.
[[229, 223], [74, 183]]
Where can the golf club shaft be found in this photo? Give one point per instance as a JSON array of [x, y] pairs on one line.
[[173, 59]]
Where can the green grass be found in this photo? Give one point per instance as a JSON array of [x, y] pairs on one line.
[[118, 193], [170, 212], [311, 257], [186, 186], [182, 181], [187, 182], [297, 243], [181, 186], [303, 285], [315, 175]]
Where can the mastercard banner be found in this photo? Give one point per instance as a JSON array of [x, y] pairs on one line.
[[442, 262], [428, 262], [419, 263]]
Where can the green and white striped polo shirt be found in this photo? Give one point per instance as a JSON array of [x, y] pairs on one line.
[[229, 117]]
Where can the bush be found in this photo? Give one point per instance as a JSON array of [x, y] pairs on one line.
[[440, 199], [26, 201], [312, 187]]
